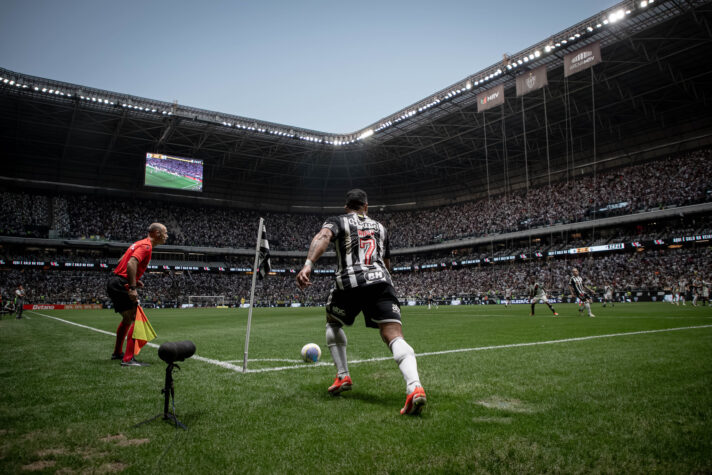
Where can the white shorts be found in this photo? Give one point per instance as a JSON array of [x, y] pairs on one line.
[[539, 296]]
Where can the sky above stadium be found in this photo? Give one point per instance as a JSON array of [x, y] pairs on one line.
[[324, 65]]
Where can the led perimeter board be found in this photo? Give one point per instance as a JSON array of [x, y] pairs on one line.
[[165, 171]]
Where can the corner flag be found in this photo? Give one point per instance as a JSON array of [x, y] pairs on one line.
[[264, 266], [143, 331], [261, 268]]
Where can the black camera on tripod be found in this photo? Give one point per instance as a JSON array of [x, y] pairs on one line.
[[170, 352]]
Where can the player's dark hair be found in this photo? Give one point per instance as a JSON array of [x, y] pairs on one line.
[[356, 198]]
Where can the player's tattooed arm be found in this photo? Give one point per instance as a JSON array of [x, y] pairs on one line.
[[317, 247], [319, 244]]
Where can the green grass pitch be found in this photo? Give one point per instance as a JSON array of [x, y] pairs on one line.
[[637, 398], [162, 179]]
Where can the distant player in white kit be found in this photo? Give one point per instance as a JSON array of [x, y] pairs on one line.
[[507, 297], [538, 294], [608, 295], [431, 300]]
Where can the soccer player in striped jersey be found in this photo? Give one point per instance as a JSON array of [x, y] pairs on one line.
[[580, 291], [363, 284]]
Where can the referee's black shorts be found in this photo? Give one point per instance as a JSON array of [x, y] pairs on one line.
[[378, 302], [117, 288]]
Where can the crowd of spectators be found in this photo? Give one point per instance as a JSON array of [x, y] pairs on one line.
[[23, 214], [648, 270], [178, 167], [673, 181]]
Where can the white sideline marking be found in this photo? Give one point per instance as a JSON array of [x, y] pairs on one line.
[[482, 348], [153, 345], [283, 360], [230, 366]]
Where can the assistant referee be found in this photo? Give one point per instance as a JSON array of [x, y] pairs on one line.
[[122, 286]]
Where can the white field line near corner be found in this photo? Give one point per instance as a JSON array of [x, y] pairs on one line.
[[483, 348], [223, 364], [236, 368]]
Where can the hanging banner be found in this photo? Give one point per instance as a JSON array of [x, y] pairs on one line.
[[582, 59], [531, 81], [489, 99]]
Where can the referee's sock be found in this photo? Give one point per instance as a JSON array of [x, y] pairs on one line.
[[405, 357], [120, 336], [130, 343]]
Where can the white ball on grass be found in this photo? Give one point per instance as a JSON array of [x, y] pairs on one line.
[[311, 353]]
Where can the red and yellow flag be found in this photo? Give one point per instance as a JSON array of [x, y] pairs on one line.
[[143, 331]]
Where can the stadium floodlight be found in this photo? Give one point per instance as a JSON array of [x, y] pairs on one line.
[[616, 15]]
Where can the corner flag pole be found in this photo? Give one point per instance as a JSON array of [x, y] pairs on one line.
[[252, 294]]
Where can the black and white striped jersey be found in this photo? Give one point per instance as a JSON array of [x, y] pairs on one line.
[[577, 283], [361, 245]]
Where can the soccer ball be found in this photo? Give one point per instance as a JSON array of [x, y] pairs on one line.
[[311, 352]]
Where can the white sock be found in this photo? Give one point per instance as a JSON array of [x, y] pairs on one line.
[[588, 308], [336, 341], [405, 357]]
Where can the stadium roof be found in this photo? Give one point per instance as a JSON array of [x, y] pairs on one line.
[[649, 95]]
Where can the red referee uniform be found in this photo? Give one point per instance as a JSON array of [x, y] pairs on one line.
[[141, 250]]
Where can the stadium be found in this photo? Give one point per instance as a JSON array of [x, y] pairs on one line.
[[591, 149]]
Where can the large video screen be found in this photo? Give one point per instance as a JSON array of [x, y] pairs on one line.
[[165, 171]]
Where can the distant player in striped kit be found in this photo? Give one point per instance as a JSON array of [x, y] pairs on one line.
[[580, 291], [363, 284]]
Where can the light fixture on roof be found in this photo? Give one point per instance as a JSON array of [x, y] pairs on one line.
[[616, 15]]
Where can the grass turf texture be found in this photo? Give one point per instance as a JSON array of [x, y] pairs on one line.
[[162, 179], [636, 403]]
